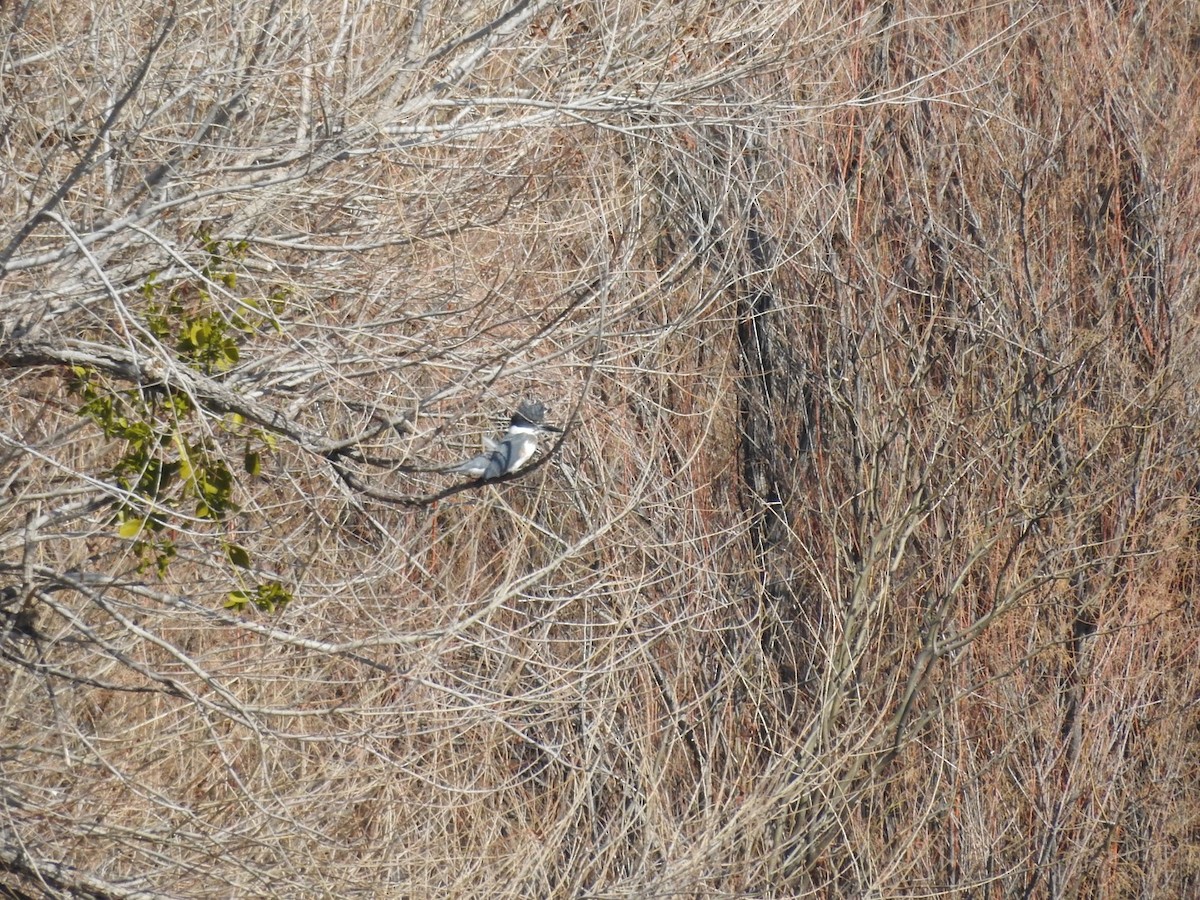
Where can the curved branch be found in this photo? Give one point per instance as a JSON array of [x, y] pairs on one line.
[[209, 393], [61, 877]]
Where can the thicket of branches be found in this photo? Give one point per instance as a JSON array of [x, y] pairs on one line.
[[865, 567]]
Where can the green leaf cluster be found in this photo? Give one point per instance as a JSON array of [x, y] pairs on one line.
[[204, 332], [270, 596], [163, 468]]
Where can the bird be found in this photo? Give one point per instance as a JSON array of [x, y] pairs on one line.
[[512, 451]]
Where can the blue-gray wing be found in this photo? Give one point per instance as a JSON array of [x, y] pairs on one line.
[[488, 465], [500, 460]]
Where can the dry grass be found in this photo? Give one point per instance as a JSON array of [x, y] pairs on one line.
[[866, 569]]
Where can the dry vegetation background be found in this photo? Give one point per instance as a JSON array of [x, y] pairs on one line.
[[867, 566]]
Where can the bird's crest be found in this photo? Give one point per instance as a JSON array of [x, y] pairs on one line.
[[530, 413]]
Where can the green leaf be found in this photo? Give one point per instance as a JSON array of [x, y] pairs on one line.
[[239, 556], [252, 462], [138, 432], [272, 596], [131, 528], [166, 553]]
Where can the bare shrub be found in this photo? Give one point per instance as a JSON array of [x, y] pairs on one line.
[[865, 566]]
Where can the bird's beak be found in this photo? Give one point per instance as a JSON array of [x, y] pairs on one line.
[[551, 428]]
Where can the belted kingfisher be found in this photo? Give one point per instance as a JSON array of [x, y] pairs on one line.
[[513, 450]]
